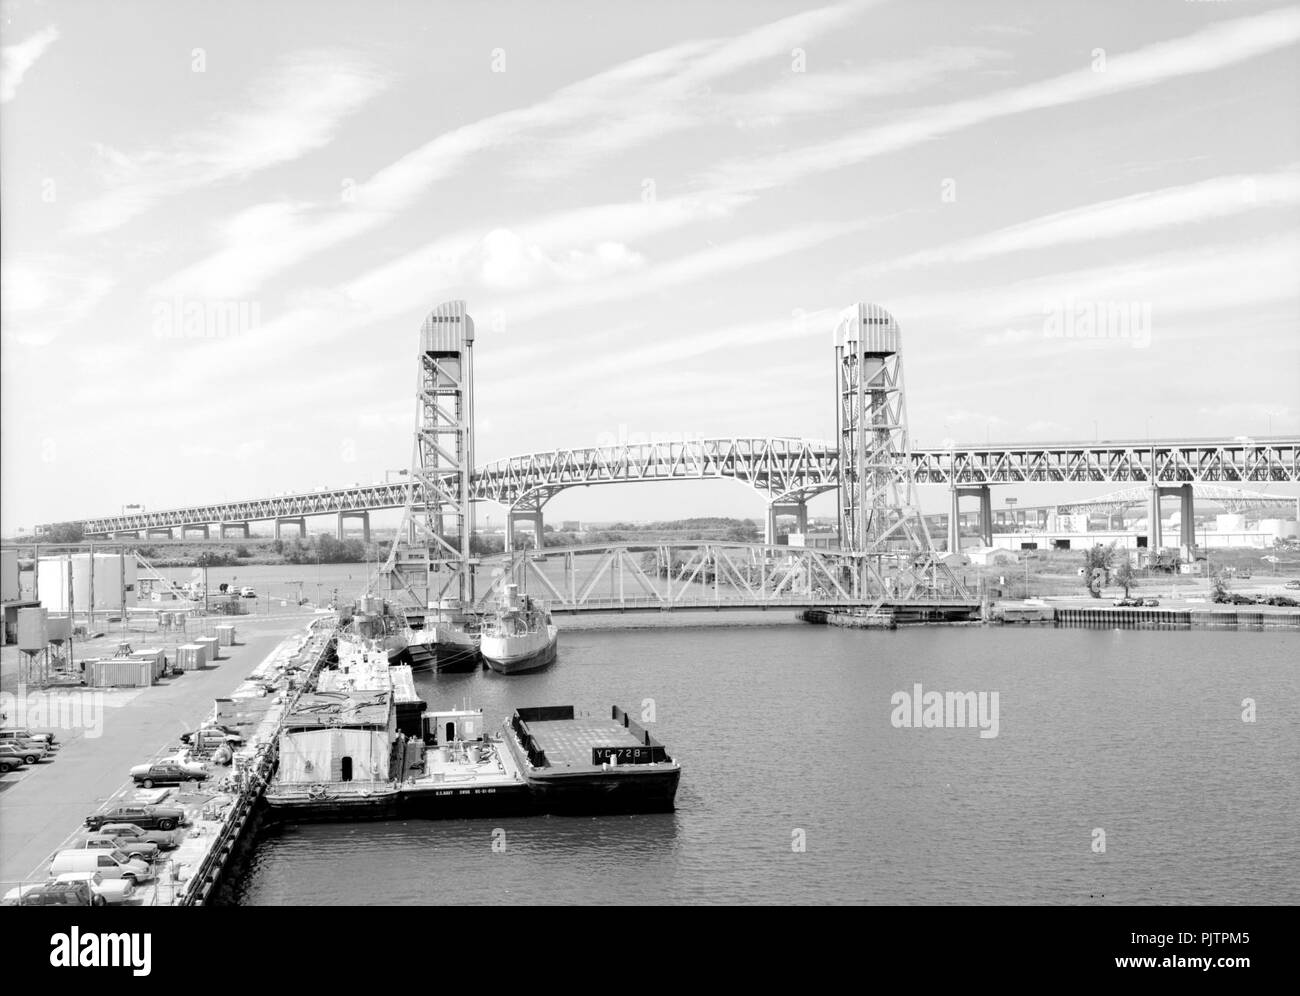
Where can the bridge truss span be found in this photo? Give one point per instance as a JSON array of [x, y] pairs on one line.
[[782, 468], [671, 576]]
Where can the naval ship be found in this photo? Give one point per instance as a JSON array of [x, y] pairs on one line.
[[520, 636]]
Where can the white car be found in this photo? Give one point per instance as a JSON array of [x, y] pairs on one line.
[[112, 890], [247, 592]]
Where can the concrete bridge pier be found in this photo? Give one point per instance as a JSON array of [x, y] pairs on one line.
[[985, 494], [365, 524], [1186, 516], [200, 528], [299, 521], [242, 528], [532, 516], [160, 531], [775, 509]]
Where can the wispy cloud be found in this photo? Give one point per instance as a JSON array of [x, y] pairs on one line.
[[1214, 278], [1223, 44], [16, 60], [42, 296], [296, 109], [1149, 211], [616, 109]]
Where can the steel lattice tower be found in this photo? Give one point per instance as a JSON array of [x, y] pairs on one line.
[[878, 512], [432, 564]]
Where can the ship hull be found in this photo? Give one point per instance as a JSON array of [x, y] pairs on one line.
[[509, 660], [624, 791], [455, 658]]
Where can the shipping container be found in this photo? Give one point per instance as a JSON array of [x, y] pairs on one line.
[[118, 672], [191, 656], [155, 656], [211, 646], [33, 629], [52, 581]]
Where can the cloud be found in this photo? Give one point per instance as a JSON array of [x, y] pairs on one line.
[[710, 262], [42, 296], [16, 60], [1231, 278], [1145, 212], [612, 110], [1224, 43], [510, 262], [296, 109]]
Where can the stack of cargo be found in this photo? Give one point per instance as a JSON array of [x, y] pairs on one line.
[[118, 672], [225, 635], [155, 656], [191, 656], [212, 649]]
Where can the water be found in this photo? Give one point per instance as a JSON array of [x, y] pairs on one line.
[[787, 729]]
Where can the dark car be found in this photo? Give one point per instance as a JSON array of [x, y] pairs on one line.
[[53, 893], [129, 832], [144, 817], [20, 754], [166, 773], [132, 847]]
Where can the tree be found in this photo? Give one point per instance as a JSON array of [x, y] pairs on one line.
[[65, 532], [1096, 568], [1125, 575], [1219, 586], [242, 551]]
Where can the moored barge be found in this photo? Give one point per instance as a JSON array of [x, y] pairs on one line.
[[591, 764]]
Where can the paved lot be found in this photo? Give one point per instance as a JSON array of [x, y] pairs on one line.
[[43, 806]]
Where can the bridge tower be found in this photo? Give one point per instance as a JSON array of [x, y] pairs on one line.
[[878, 512], [433, 561]]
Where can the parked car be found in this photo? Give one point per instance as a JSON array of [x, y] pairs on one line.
[[166, 773], [1292, 584], [10, 761], [11, 731], [23, 754], [110, 864], [145, 850], [211, 737], [53, 893], [1151, 603], [247, 592], [165, 839], [109, 891], [144, 817]]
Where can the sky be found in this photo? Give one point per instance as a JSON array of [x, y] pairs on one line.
[[222, 224]]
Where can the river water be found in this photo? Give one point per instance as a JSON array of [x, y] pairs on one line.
[[798, 788]]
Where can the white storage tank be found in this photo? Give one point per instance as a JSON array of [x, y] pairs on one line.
[[110, 571], [33, 629], [9, 587]]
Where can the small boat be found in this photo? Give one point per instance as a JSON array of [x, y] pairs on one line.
[[443, 638], [372, 620], [520, 636]]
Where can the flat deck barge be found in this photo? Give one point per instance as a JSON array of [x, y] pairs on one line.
[[590, 763]]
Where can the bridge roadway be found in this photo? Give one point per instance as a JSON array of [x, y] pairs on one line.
[[786, 471]]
